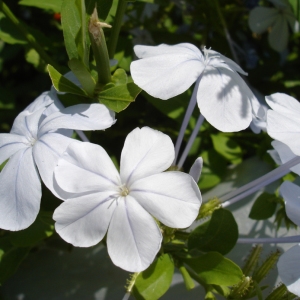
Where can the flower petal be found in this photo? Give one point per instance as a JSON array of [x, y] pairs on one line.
[[171, 197], [20, 191], [86, 167], [279, 35], [46, 152], [10, 144], [260, 18], [166, 71], [133, 238], [284, 104], [284, 128], [146, 151], [289, 269], [41, 101], [291, 195], [224, 99], [80, 117], [196, 169], [83, 221], [285, 154]]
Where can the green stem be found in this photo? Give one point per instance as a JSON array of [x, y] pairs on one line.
[[29, 37], [113, 39]]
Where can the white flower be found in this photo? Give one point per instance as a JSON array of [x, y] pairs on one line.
[[277, 18], [282, 154], [223, 97], [39, 135], [103, 201], [289, 269], [283, 120], [259, 114]]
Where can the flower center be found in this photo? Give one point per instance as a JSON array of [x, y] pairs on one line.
[[124, 191], [31, 141]]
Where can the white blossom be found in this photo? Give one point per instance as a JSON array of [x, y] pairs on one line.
[[102, 200], [283, 120], [39, 135], [223, 97]]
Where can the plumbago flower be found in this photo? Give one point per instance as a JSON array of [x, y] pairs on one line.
[[223, 97], [283, 120], [289, 263], [38, 137], [102, 200]]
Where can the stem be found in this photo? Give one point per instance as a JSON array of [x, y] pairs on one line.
[[186, 119], [259, 183], [227, 34], [281, 240], [126, 296], [191, 141], [82, 136], [29, 37], [113, 39]]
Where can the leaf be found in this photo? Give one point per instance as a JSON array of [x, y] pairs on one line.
[[63, 84], [119, 77], [155, 281], [83, 75], [119, 97], [103, 7], [227, 147], [8, 32], [213, 268], [54, 5], [42, 228], [264, 207], [221, 233], [71, 23]]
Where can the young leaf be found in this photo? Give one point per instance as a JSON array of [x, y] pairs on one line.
[[63, 84], [264, 207], [117, 98], [221, 233], [42, 228], [213, 268], [156, 280], [83, 75], [103, 7]]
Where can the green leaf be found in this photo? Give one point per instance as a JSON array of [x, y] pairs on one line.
[[103, 7], [71, 24], [213, 268], [119, 97], [119, 77], [42, 228], [83, 75], [8, 32], [63, 84], [264, 207], [54, 5], [227, 148], [155, 281], [219, 235]]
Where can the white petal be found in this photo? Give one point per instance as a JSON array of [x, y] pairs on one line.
[[171, 197], [10, 144], [284, 128], [166, 71], [196, 169], [83, 221], [41, 101], [260, 18], [146, 151], [279, 35], [20, 191], [283, 104], [285, 154], [80, 117], [133, 238], [86, 167], [291, 195], [224, 99], [289, 269], [46, 152]]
